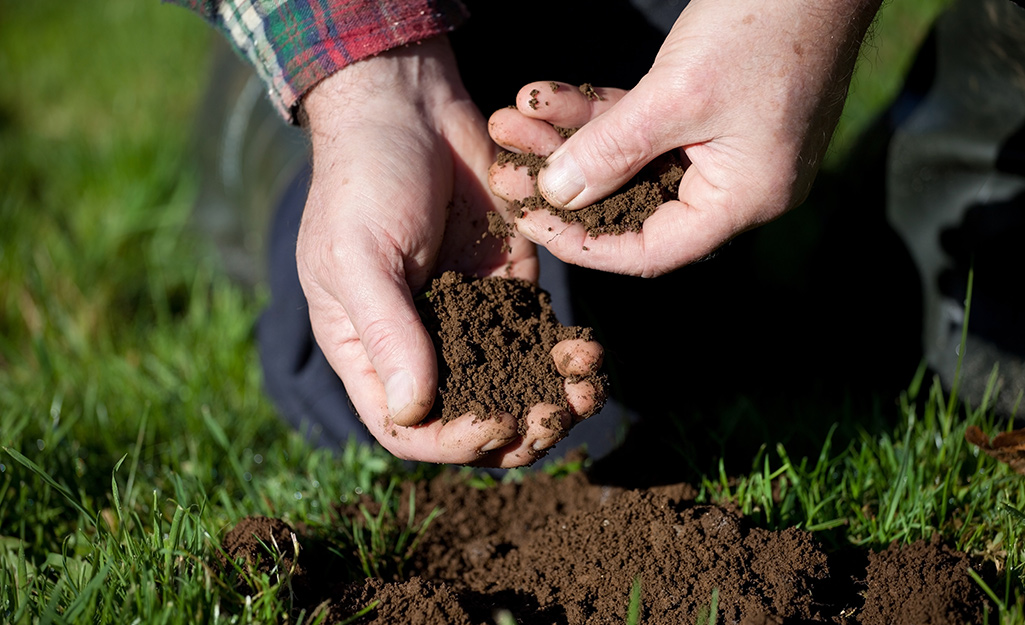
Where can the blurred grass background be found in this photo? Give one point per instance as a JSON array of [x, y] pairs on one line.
[[95, 113]]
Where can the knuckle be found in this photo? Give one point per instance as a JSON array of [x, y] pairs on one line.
[[380, 340], [613, 148]]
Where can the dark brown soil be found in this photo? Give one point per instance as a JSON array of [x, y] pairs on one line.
[[262, 546], [623, 211], [494, 338], [567, 552]]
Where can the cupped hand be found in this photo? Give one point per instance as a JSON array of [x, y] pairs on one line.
[[749, 91], [398, 194]]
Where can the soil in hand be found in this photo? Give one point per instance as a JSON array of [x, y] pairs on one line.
[[566, 551], [623, 211], [494, 338]]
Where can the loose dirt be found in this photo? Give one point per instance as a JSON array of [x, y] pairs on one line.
[[568, 552], [494, 338], [623, 211]]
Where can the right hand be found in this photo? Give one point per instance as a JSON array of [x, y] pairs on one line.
[[750, 91], [398, 194]]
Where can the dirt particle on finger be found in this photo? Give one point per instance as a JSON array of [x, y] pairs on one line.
[[532, 103], [553, 421], [532, 162], [588, 90], [554, 86]]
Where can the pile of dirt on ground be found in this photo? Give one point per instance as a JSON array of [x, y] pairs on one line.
[[623, 211], [566, 551], [494, 338]]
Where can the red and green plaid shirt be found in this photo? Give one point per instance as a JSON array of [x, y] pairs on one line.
[[294, 44]]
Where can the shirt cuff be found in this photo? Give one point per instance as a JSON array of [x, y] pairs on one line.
[[295, 44]]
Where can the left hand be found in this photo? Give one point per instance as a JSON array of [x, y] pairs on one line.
[[399, 194]]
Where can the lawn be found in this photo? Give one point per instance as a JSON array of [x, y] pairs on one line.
[[134, 428]]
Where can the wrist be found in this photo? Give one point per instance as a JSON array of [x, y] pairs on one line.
[[418, 76]]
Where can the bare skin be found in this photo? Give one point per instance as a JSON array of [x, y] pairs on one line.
[[749, 91], [399, 194]]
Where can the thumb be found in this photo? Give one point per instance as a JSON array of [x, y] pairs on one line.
[[404, 358], [392, 341], [602, 156]]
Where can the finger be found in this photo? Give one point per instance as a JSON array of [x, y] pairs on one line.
[[546, 425], [518, 133], [378, 305], [584, 399], [606, 152], [565, 105], [510, 182], [460, 441], [577, 357]]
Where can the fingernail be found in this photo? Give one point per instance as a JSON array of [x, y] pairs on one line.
[[527, 231], [561, 181], [495, 444], [399, 390]]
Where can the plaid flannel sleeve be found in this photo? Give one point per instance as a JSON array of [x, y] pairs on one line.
[[294, 44]]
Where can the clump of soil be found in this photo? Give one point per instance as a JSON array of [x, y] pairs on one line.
[[494, 337], [623, 211], [902, 585], [588, 90], [411, 601], [566, 551], [564, 132], [261, 546], [277, 547]]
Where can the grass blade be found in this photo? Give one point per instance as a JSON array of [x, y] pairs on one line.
[[633, 610], [32, 466]]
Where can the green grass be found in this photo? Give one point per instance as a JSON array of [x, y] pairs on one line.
[[132, 419]]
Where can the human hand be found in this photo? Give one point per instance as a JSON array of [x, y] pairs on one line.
[[750, 91], [398, 194]]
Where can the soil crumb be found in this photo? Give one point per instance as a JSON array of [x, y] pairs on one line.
[[494, 338], [567, 551], [588, 90], [500, 229], [623, 211], [533, 102]]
